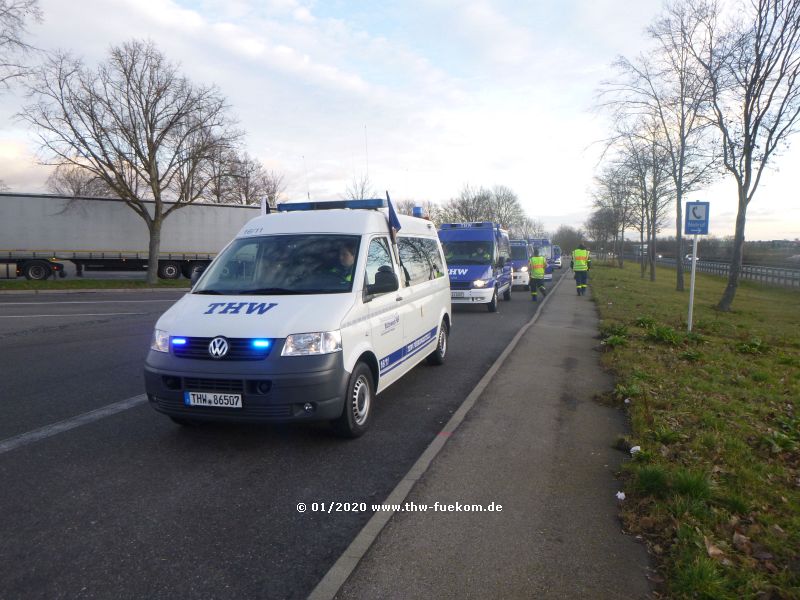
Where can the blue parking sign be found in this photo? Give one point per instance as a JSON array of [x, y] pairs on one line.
[[696, 221]]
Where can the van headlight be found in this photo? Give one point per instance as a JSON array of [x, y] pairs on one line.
[[479, 283], [160, 342], [306, 344], [523, 269]]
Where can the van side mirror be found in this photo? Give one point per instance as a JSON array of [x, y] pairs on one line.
[[196, 272], [385, 282]]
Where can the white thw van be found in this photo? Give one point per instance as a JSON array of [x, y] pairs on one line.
[[306, 315]]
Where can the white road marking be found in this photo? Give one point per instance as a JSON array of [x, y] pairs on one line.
[[69, 315], [47, 431]]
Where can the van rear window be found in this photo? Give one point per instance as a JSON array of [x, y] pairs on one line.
[[284, 264]]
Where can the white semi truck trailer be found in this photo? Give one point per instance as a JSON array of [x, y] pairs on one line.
[[38, 233]]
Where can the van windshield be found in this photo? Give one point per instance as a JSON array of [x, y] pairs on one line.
[[283, 264], [519, 253], [468, 253]]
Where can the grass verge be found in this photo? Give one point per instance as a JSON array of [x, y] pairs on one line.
[[715, 488], [88, 284]]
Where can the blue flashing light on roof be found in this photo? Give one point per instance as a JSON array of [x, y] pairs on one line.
[[372, 204], [467, 225]]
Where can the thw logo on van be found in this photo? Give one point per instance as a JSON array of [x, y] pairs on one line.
[[458, 271], [235, 308]]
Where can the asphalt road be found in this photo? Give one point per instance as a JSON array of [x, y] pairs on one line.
[[132, 506]]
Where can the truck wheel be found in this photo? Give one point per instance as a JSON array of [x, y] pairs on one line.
[[437, 356], [169, 270], [507, 294], [492, 306], [357, 410], [37, 270], [186, 269]]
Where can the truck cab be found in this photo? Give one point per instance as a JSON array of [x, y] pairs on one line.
[[478, 259]]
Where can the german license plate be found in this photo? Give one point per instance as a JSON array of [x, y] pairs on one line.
[[212, 399], [456, 294]]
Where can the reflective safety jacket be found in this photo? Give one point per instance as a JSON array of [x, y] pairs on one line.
[[580, 260], [537, 266]]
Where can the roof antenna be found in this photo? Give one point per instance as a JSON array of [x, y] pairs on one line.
[[366, 149], [308, 188]]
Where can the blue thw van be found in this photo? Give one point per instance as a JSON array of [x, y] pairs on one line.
[[478, 258], [521, 253]]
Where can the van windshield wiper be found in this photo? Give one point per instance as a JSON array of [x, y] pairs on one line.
[[210, 292], [272, 290]]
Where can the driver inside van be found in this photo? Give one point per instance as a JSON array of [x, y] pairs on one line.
[[347, 258], [480, 253]]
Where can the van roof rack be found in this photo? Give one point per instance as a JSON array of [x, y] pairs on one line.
[[488, 224], [369, 204]]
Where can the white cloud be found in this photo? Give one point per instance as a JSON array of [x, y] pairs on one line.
[[450, 92]]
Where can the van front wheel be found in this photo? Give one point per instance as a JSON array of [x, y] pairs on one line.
[[507, 294], [437, 356], [492, 306], [357, 411]]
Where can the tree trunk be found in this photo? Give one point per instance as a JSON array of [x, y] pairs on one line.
[[679, 241], [736, 258], [155, 246], [641, 249]]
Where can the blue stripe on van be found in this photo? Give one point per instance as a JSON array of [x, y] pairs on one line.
[[398, 357]]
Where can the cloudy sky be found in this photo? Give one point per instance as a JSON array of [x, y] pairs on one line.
[[423, 95]]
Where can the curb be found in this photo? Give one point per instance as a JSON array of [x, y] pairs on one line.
[[337, 575], [96, 291]]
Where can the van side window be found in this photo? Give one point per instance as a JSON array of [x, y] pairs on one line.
[[414, 256], [378, 259], [435, 258]]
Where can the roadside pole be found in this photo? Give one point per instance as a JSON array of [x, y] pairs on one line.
[[691, 285], [696, 224]]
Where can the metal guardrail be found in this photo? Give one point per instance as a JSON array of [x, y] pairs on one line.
[[767, 275]]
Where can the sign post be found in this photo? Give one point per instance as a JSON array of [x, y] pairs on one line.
[[696, 223]]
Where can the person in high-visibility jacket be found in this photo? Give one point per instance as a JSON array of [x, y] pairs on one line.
[[536, 266], [580, 264]]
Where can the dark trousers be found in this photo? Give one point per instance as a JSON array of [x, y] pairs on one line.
[[581, 277], [535, 285]]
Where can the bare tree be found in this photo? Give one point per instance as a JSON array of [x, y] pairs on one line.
[[360, 188], [471, 205], [252, 182], [528, 228], [69, 180], [615, 193], [498, 205], [668, 84], [752, 65], [14, 16], [135, 123], [647, 165], [568, 238]]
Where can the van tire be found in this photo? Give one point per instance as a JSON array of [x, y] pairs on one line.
[[507, 294], [357, 410], [492, 306], [437, 356]]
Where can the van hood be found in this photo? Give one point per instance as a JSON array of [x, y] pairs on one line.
[[469, 272], [518, 263], [199, 315]]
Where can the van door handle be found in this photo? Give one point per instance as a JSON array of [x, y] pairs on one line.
[[399, 298]]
